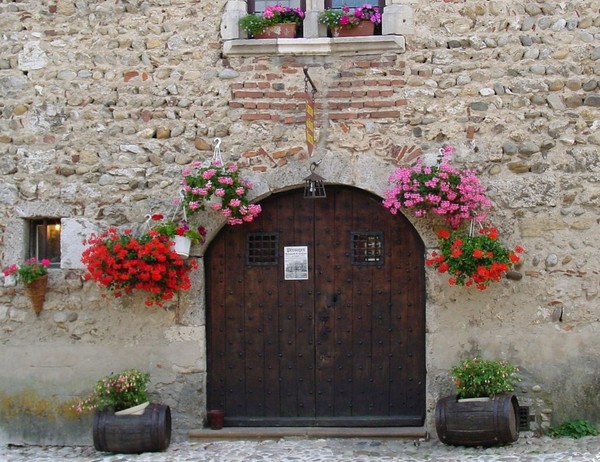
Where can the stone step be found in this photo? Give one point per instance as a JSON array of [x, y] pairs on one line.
[[247, 433]]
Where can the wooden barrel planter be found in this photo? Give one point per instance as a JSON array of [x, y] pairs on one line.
[[478, 423], [133, 434]]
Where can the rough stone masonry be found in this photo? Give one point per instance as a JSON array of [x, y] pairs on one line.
[[103, 103]]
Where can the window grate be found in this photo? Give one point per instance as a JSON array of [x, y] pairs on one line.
[[262, 249], [367, 248], [523, 418]]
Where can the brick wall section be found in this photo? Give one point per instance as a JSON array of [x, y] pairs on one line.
[[260, 160], [366, 88]]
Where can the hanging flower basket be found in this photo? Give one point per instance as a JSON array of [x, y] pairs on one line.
[[456, 195], [202, 184], [473, 259], [124, 263]]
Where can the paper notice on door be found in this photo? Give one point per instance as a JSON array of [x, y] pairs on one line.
[[295, 263]]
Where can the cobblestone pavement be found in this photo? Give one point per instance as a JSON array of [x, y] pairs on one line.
[[526, 449]]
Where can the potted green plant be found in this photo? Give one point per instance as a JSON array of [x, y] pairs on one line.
[[272, 22], [484, 412], [351, 21], [34, 275], [481, 378], [124, 420], [118, 392], [473, 259]]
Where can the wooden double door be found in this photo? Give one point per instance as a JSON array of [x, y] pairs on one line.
[[316, 315]]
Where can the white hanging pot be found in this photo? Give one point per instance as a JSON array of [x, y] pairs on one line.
[[182, 245]]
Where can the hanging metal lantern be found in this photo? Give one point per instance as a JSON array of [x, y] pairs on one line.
[[314, 188]]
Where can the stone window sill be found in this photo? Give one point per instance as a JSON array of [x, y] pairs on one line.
[[375, 44]]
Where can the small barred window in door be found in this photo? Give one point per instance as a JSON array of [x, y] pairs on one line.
[[367, 248], [262, 249]]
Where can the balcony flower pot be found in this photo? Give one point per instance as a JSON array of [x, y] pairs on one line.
[[351, 22], [276, 31], [277, 21], [364, 28]]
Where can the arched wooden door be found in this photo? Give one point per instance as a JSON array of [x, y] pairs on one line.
[[316, 315]]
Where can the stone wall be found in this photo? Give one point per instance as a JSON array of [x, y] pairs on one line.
[[103, 103]]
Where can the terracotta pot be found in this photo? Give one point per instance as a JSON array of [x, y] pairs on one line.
[[365, 28], [282, 30], [36, 290], [216, 418]]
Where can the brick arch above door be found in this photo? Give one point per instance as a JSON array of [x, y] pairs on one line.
[[365, 171]]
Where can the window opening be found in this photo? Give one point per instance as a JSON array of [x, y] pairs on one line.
[[262, 249], [367, 248], [335, 4], [44, 240], [258, 6]]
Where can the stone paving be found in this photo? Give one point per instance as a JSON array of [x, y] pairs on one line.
[[527, 449]]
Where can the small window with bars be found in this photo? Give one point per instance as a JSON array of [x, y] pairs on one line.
[[367, 248], [262, 249]]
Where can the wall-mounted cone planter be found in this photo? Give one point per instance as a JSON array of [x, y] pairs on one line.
[[36, 291]]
